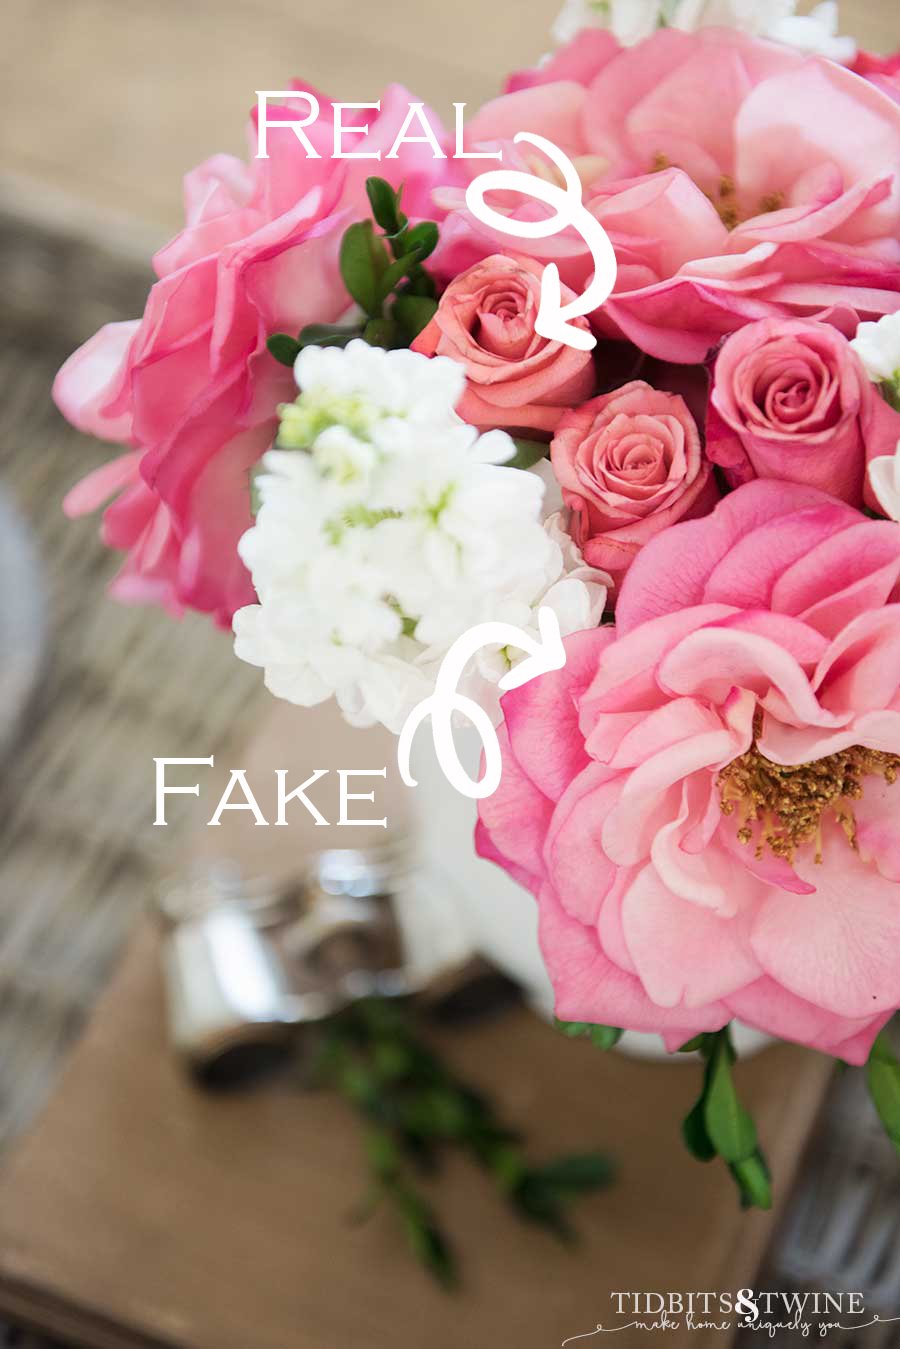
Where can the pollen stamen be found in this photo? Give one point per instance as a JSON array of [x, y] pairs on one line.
[[783, 805]]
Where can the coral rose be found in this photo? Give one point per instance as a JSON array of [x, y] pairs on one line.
[[704, 799], [629, 464], [190, 386], [515, 379], [791, 400]]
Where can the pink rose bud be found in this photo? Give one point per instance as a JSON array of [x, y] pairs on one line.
[[791, 401], [516, 380], [629, 464]]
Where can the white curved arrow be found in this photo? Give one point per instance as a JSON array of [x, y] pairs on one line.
[[554, 318], [548, 653]]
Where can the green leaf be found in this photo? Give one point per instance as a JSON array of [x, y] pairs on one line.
[[396, 272], [693, 1131], [413, 313], [422, 238], [579, 1173], [382, 1152], [327, 335], [605, 1037], [883, 1077], [753, 1180], [730, 1128], [432, 1248], [540, 1202], [697, 1044], [283, 347], [528, 453], [572, 1029], [601, 1037], [363, 261], [507, 1166], [381, 333], [385, 203]]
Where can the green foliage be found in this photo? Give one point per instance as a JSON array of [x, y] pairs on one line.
[[528, 453], [730, 1128], [385, 204], [422, 239], [718, 1125], [601, 1037], [412, 313], [416, 1109], [284, 348], [383, 274], [363, 262], [883, 1077], [327, 335]]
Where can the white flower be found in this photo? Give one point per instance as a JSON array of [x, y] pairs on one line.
[[757, 17], [884, 477], [388, 529], [878, 347], [629, 20], [816, 33], [632, 21]]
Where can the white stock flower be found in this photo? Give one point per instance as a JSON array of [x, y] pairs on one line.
[[815, 33], [629, 20], [878, 347], [387, 528], [884, 477], [632, 21]]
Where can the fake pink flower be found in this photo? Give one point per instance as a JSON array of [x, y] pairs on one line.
[[883, 71], [190, 387], [791, 400], [515, 379], [704, 799], [737, 179], [629, 464]]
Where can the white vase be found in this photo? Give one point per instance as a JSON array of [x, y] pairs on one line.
[[491, 914], [476, 906]]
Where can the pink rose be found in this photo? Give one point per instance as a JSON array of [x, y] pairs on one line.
[[516, 379], [737, 179], [190, 387], [629, 464], [791, 400], [580, 60], [882, 71], [704, 799]]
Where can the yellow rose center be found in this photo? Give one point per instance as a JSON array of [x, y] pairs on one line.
[[724, 196], [789, 801]]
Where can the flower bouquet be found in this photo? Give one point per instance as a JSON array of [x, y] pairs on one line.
[[348, 438]]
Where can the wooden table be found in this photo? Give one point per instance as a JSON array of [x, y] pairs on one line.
[[143, 1212]]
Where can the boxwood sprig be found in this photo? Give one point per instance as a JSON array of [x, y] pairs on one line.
[[383, 274], [415, 1109]]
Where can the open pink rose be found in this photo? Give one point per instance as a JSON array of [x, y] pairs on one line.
[[515, 379], [579, 60], [791, 400], [704, 799], [737, 179], [190, 387], [629, 464], [883, 71]]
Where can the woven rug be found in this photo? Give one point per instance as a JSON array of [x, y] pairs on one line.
[[78, 854]]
